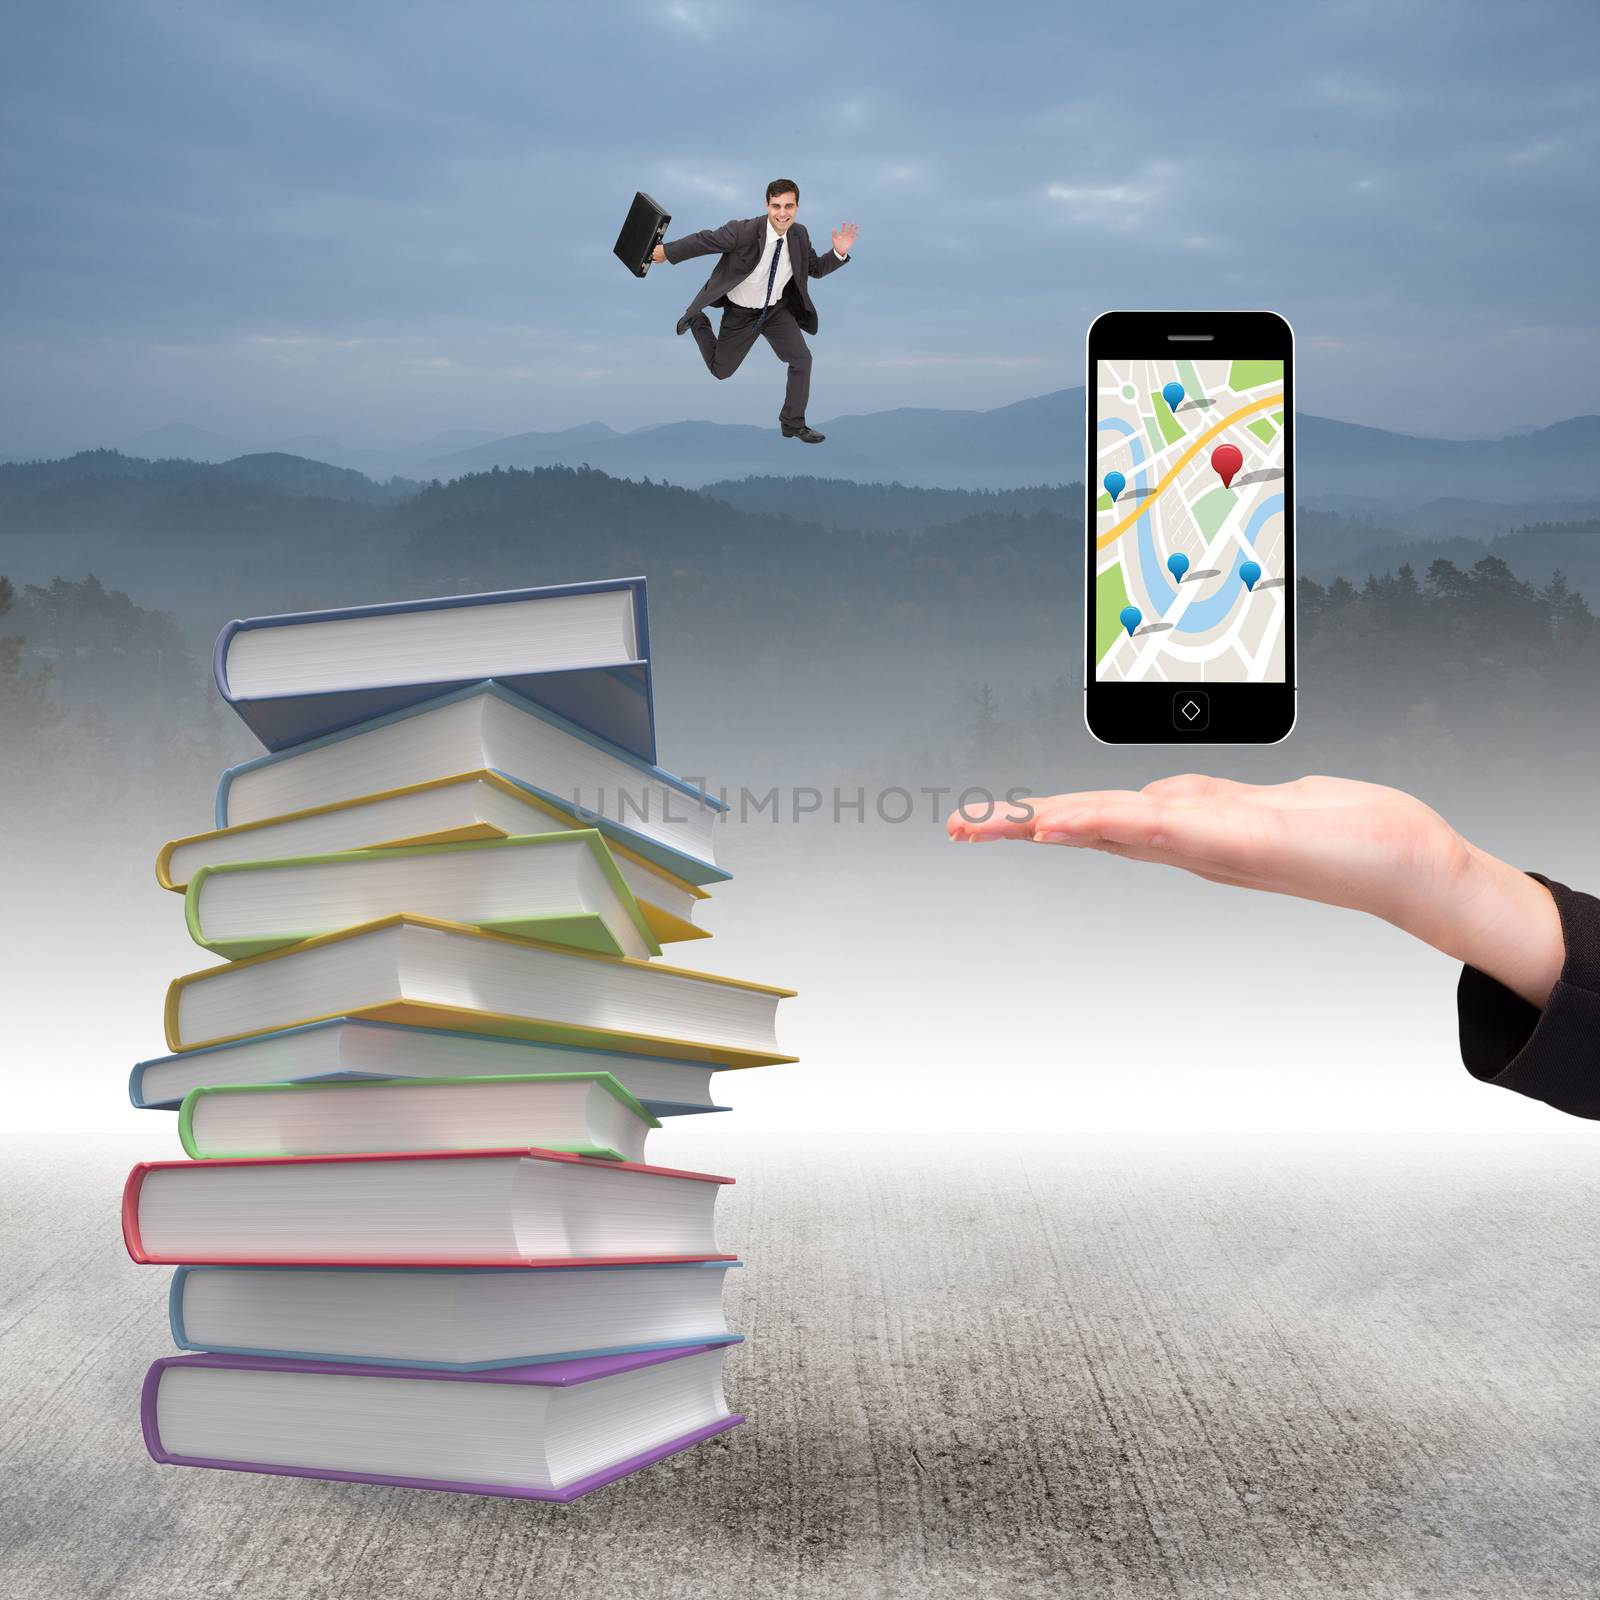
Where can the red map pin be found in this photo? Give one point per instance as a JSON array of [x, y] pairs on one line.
[[1226, 460]]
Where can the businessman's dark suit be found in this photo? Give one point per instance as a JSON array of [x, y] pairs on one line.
[[1553, 1054], [743, 245]]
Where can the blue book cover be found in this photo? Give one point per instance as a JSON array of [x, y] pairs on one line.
[[180, 1333], [693, 869], [609, 698], [581, 1060]]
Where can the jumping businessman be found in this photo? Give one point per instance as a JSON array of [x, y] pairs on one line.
[[760, 283]]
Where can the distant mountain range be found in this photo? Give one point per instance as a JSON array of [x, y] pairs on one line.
[[1342, 465], [291, 476], [182, 442]]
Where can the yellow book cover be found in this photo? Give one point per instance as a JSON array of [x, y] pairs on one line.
[[666, 885], [429, 973]]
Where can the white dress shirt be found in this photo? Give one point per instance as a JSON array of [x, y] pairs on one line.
[[752, 293]]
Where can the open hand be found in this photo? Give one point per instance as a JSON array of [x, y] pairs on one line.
[[844, 236], [1334, 840]]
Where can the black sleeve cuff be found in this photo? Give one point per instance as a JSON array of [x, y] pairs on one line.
[[1552, 1055]]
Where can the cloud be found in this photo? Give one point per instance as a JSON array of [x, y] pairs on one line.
[[1540, 153], [296, 341], [1114, 206], [692, 16], [1353, 93], [897, 361], [696, 181], [1111, 194]]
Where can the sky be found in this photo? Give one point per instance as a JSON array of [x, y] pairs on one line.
[[378, 222]]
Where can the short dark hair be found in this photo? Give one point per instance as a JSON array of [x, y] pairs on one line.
[[784, 186]]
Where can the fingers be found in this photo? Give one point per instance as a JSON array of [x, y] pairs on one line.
[[1117, 822], [1016, 819], [1136, 820], [1185, 855], [1007, 821], [1085, 818], [1040, 815], [1197, 823], [1233, 840]]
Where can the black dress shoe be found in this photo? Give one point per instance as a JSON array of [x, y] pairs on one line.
[[804, 434], [685, 323]]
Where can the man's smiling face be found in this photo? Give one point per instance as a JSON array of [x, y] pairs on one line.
[[781, 209]]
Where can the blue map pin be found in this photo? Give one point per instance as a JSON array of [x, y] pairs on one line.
[[1115, 483], [1172, 393], [1177, 565], [1130, 618], [1250, 572]]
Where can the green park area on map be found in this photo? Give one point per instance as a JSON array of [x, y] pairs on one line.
[[1247, 374], [1110, 596]]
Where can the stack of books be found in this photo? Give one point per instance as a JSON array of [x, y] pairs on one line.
[[416, 1238]]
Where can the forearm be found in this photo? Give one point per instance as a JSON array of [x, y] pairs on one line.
[[690, 245], [1500, 921], [1548, 1049], [708, 241]]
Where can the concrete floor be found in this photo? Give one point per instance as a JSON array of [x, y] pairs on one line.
[[1273, 1367]]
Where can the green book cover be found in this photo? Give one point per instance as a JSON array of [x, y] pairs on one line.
[[579, 930], [603, 1080]]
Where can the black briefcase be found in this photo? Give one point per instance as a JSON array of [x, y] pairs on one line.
[[645, 228]]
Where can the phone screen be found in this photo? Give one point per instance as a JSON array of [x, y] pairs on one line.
[[1190, 523]]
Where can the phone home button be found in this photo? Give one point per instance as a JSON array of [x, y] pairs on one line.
[[1191, 711]]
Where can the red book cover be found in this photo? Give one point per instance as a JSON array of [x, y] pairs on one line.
[[136, 1249]]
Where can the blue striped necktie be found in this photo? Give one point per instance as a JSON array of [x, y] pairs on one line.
[[772, 278]]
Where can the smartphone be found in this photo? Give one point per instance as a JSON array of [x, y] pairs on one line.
[[1189, 516]]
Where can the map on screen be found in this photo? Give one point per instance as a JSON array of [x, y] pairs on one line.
[[1189, 523]]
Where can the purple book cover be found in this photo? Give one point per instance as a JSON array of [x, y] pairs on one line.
[[557, 1374]]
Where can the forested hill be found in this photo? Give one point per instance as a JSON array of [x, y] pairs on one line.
[[886, 507], [562, 523], [771, 633], [756, 559], [208, 544]]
